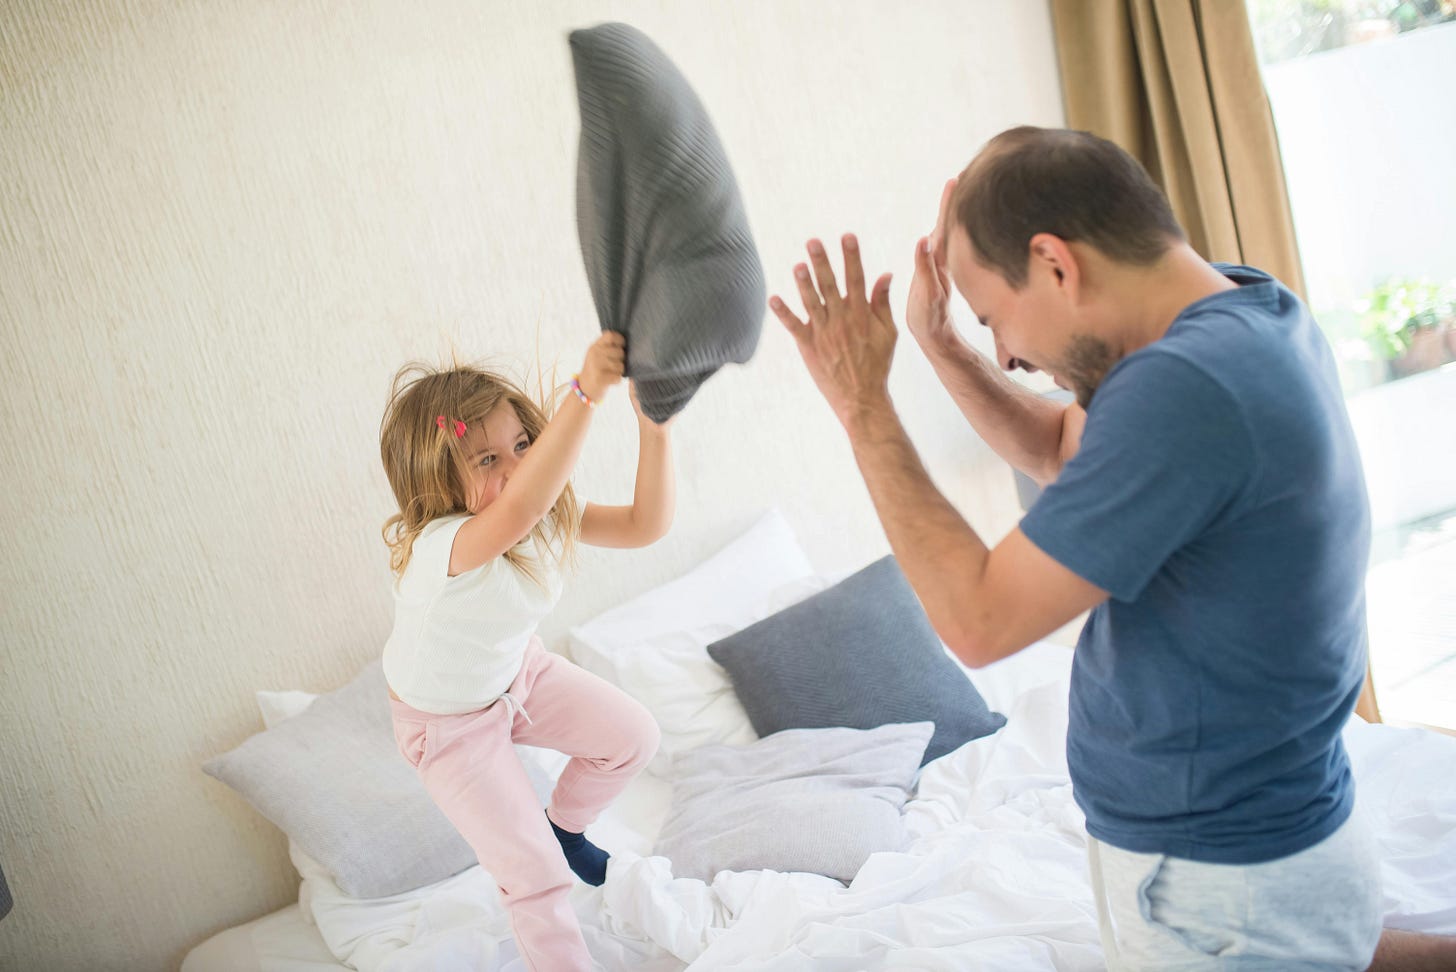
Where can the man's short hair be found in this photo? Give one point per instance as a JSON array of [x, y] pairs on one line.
[[1071, 184]]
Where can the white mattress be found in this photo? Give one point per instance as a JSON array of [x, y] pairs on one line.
[[284, 941], [995, 877]]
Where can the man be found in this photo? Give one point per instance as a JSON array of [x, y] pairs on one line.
[[1205, 503]]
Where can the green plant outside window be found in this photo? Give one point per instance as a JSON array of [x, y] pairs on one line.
[[1393, 312]]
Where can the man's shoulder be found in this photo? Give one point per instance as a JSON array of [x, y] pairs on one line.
[[1165, 378], [1238, 349]]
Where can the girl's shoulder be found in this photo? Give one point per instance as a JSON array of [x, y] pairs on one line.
[[450, 522], [438, 535], [429, 562]]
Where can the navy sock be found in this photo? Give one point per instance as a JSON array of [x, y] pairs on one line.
[[587, 860]]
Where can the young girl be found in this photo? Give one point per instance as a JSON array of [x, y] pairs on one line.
[[486, 519]]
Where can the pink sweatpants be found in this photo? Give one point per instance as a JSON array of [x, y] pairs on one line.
[[471, 771]]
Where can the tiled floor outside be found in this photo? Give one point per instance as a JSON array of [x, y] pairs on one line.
[[1411, 592]]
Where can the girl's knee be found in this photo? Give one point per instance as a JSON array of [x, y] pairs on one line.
[[641, 738], [651, 737]]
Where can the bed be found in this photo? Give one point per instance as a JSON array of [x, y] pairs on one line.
[[991, 873]]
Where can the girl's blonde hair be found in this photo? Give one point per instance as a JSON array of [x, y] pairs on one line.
[[425, 463]]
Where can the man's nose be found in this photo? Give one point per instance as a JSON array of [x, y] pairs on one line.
[[1004, 358], [1009, 362]]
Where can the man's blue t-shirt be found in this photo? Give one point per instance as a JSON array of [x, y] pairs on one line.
[[1218, 497]]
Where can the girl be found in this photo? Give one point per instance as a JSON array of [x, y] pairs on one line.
[[486, 519]]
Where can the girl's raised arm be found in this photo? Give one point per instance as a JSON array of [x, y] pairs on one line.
[[542, 472], [653, 501]]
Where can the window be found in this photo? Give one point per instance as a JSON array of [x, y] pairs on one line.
[[1286, 29], [1364, 100]]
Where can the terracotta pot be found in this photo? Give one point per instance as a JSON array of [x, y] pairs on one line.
[[1430, 347]]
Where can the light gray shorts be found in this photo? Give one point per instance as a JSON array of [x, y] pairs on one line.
[[1321, 908]]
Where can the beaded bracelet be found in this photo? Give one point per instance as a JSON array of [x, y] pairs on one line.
[[576, 390]]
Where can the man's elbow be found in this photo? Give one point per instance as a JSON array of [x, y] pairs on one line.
[[973, 647], [1047, 472], [972, 658]]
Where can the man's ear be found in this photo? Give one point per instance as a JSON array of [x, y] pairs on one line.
[[1050, 255]]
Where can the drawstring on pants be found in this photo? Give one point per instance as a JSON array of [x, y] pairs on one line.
[[514, 704]]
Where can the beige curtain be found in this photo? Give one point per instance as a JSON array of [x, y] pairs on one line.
[[1176, 84]]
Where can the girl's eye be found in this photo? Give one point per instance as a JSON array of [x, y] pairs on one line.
[[487, 460], [522, 445]]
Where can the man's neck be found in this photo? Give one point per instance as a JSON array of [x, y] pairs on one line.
[[1149, 299]]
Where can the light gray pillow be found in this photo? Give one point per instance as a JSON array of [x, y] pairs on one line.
[[815, 800], [664, 234], [860, 654], [332, 778]]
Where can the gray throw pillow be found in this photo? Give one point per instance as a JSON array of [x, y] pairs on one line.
[[663, 231], [815, 800], [860, 654], [332, 778]]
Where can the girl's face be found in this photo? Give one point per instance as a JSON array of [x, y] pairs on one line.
[[493, 449]]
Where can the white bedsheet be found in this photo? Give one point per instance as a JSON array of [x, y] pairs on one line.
[[284, 941], [995, 877]]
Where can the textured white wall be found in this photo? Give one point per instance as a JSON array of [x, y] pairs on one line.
[[223, 225]]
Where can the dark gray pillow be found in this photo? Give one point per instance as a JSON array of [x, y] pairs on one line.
[[815, 800], [664, 235], [860, 654]]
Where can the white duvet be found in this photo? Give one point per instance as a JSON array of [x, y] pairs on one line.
[[995, 876]]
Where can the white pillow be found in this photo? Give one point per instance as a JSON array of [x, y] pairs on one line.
[[654, 647], [816, 800], [277, 706]]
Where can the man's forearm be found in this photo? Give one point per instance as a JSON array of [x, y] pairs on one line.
[[1019, 425], [941, 556]]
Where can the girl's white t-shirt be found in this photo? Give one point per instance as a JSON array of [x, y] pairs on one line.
[[458, 642]]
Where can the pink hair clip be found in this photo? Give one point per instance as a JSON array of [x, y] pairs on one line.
[[459, 426]]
